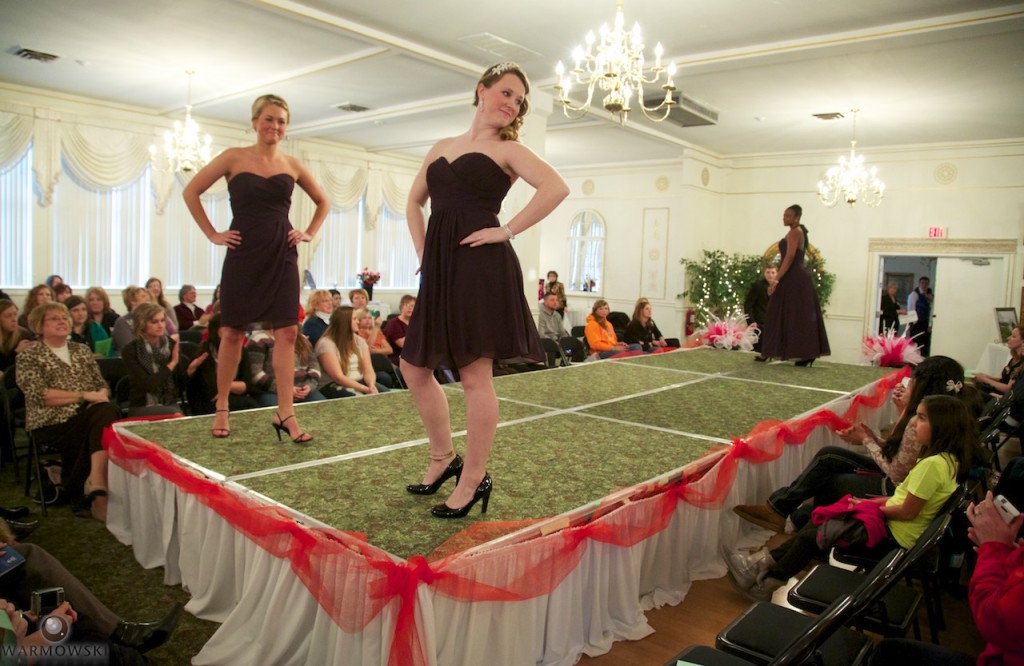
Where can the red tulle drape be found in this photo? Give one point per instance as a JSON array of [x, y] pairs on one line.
[[319, 556]]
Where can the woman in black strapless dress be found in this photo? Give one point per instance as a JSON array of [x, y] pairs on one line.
[[471, 309], [260, 279]]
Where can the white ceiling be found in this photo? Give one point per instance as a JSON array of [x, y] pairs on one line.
[[921, 71]]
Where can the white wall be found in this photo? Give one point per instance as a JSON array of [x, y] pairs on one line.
[[740, 210]]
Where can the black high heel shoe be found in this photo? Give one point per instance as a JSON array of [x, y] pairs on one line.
[[806, 363], [761, 359], [483, 491], [454, 468], [279, 427]]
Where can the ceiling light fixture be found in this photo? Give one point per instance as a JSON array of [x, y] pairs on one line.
[[183, 150], [617, 68], [850, 180]]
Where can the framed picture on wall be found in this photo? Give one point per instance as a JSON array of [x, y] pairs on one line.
[[904, 285], [1006, 320]]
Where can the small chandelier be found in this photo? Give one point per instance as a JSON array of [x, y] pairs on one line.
[[618, 70], [183, 150], [850, 181]]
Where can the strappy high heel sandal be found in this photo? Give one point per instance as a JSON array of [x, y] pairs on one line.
[[279, 427], [221, 433]]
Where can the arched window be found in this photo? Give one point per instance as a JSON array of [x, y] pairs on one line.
[[586, 252]]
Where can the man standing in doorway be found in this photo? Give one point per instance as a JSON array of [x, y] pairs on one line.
[[920, 301]]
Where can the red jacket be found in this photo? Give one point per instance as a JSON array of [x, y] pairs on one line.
[[996, 594]]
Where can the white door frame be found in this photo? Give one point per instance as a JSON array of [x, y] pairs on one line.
[[1003, 248]]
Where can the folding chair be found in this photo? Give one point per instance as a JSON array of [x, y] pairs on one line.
[[764, 632], [382, 363], [554, 355], [926, 563]]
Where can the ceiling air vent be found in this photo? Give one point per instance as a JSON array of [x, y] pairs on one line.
[[349, 107], [834, 115], [687, 112], [38, 56], [500, 47]]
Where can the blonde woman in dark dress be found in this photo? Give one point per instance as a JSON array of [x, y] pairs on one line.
[[260, 280]]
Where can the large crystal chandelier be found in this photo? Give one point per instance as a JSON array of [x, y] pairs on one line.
[[850, 180], [184, 149], [617, 69]]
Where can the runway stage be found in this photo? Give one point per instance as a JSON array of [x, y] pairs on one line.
[[608, 478]]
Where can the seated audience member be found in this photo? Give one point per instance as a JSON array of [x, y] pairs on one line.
[[642, 330], [996, 595], [124, 327], [152, 362], [188, 313], [558, 288], [62, 292], [601, 335], [551, 326], [100, 312], [67, 405], [155, 287], [38, 295], [948, 435], [395, 328], [202, 382], [345, 359], [307, 369], [53, 281], [835, 471], [13, 338], [359, 298], [369, 329], [755, 304], [80, 330], [999, 387], [335, 298], [214, 307], [93, 621], [319, 307]]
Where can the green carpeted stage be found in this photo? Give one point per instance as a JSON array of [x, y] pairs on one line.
[[567, 438]]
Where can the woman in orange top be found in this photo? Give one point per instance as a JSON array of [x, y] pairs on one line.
[[601, 335]]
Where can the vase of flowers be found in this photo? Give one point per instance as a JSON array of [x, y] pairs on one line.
[[367, 279]]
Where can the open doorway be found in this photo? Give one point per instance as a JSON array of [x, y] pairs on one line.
[[903, 272], [969, 279]]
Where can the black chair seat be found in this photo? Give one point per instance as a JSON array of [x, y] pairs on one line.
[[824, 584], [766, 630], [706, 656]]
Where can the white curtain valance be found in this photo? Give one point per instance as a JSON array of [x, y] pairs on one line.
[[46, 131], [386, 188], [102, 158], [15, 137], [343, 184]]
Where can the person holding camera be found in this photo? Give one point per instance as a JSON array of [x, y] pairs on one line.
[[42, 584]]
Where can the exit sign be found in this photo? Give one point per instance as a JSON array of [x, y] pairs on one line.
[[936, 232]]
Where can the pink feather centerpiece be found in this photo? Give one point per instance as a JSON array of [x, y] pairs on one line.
[[729, 333], [891, 351]]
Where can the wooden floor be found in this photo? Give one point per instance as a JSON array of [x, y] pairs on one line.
[[712, 604]]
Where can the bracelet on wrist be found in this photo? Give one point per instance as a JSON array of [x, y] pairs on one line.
[[508, 232]]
